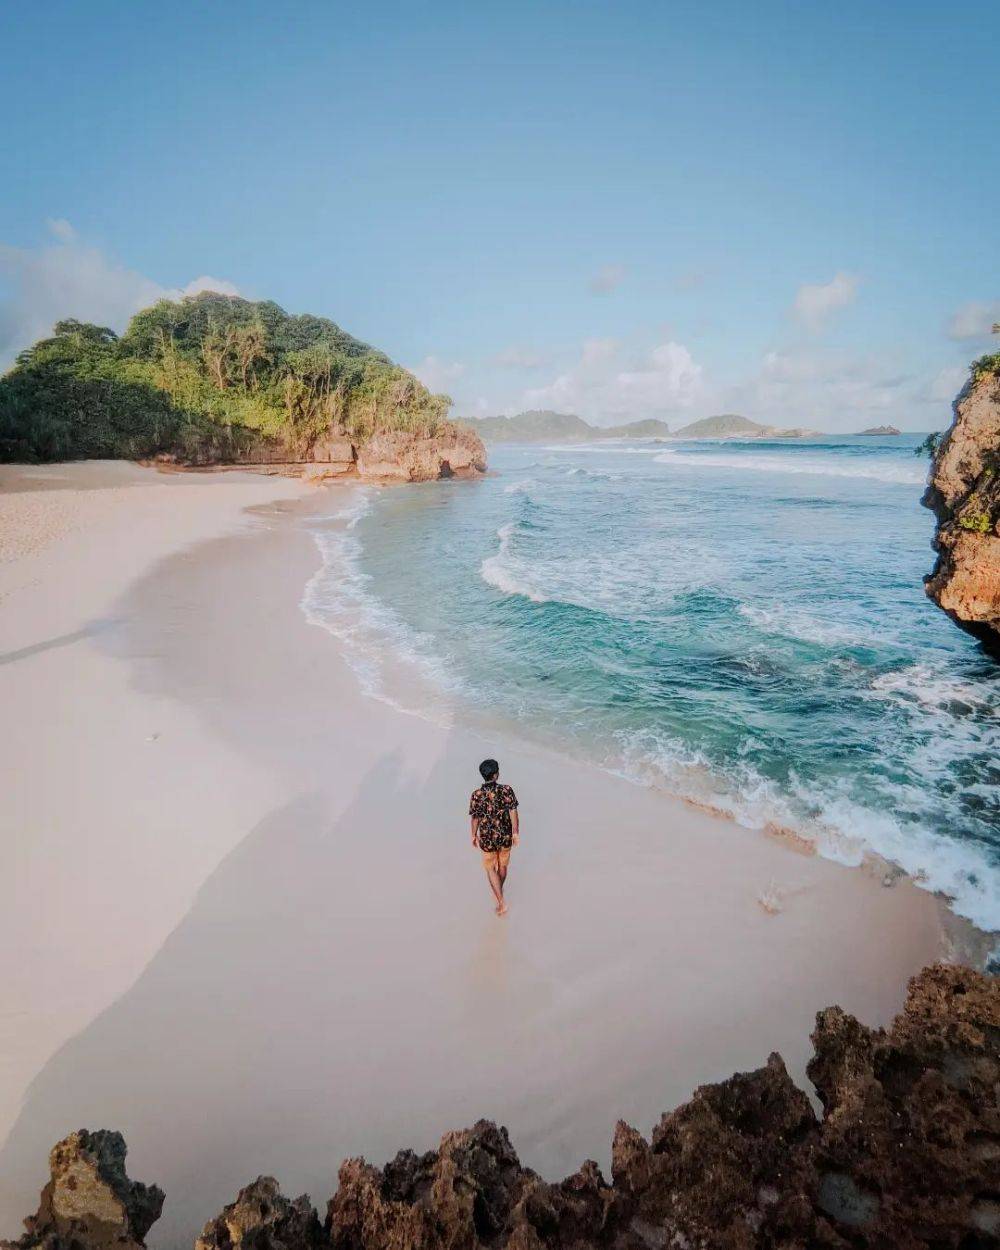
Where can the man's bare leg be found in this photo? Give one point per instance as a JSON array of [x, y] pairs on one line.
[[496, 885]]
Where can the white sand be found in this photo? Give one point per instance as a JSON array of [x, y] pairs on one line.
[[245, 907]]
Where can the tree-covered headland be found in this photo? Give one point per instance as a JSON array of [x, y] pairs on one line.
[[208, 378]]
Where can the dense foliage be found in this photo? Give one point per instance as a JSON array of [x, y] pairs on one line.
[[210, 377]]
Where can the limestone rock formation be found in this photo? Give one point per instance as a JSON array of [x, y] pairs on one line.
[[90, 1202], [907, 1154], [261, 1218], [394, 456], [964, 493], [402, 457]]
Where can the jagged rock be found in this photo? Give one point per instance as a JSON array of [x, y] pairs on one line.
[[90, 1202], [964, 493], [909, 1150], [261, 1218], [722, 1168], [461, 1195], [907, 1155], [405, 457]]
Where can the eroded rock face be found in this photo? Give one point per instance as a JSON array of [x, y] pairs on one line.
[[400, 457], [89, 1201], [907, 1154], [388, 457], [964, 493], [261, 1218]]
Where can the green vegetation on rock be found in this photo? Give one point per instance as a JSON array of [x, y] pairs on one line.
[[207, 378], [986, 366]]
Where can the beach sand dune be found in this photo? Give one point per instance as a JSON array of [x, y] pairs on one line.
[[291, 953]]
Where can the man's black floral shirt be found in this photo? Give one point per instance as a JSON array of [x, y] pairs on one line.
[[493, 803]]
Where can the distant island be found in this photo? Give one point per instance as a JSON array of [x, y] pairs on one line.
[[544, 426], [879, 431], [216, 379]]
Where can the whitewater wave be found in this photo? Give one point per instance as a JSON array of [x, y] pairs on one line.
[[337, 599], [792, 623], [612, 585], [814, 466], [840, 828], [593, 476], [519, 488], [505, 572]]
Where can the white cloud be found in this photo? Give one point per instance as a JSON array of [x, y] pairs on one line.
[[66, 278], [974, 320], [814, 304], [825, 390], [219, 285], [607, 279], [436, 374], [602, 387]]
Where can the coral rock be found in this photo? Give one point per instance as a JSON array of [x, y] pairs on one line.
[[89, 1201], [262, 1218], [405, 457]]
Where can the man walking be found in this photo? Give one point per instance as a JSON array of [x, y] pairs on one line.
[[495, 828]]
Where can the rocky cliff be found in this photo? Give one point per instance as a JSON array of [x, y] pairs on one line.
[[906, 1153], [964, 493], [391, 456]]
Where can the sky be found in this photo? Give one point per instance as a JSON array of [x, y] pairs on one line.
[[623, 210]]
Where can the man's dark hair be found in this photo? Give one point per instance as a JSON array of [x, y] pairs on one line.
[[489, 770]]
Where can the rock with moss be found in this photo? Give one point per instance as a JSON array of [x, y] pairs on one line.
[[963, 491]]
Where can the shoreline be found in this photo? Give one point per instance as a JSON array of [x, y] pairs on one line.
[[327, 977]]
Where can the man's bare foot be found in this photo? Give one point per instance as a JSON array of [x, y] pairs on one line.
[[502, 909]]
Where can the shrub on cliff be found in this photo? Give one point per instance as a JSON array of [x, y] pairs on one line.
[[207, 377]]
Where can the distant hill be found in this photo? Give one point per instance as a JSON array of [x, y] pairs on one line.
[[880, 431], [725, 426], [542, 426], [730, 425], [650, 428]]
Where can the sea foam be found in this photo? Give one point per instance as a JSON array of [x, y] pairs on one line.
[[796, 462]]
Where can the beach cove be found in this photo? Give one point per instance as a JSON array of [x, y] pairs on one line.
[[247, 928]]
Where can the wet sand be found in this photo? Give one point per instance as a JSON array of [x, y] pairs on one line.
[[247, 913]]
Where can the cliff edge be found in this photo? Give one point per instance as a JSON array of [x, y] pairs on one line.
[[963, 492], [906, 1153]]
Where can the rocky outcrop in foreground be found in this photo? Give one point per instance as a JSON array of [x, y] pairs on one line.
[[89, 1202], [964, 493], [906, 1154]]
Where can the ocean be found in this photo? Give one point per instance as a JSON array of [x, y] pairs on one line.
[[739, 623]]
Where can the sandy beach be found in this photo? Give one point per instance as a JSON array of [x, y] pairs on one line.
[[242, 921]]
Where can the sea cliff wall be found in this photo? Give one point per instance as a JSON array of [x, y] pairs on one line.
[[963, 492], [906, 1153], [390, 456]]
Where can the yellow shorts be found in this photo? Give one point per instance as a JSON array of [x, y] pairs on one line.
[[497, 859]]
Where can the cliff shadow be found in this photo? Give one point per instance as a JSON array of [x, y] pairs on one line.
[[321, 998]]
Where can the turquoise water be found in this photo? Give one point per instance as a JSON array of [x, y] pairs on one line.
[[740, 623]]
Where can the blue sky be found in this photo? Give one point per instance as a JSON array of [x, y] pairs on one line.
[[789, 210]]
